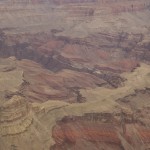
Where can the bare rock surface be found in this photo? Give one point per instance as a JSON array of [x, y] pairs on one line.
[[74, 75]]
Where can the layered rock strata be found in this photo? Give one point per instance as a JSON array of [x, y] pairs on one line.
[[15, 116], [103, 131]]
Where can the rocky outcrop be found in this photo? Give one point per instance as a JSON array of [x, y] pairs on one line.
[[73, 76], [15, 116], [93, 52], [43, 85], [135, 101], [102, 55], [64, 53], [100, 131], [74, 132]]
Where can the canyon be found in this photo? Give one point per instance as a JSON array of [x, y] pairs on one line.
[[74, 74]]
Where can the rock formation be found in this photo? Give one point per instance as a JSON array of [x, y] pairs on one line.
[[74, 74], [15, 116], [102, 131]]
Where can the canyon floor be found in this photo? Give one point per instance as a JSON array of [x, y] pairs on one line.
[[75, 75]]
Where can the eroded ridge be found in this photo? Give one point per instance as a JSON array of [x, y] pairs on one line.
[[15, 116]]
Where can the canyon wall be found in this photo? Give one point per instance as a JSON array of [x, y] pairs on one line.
[[103, 131], [74, 75], [35, 16]]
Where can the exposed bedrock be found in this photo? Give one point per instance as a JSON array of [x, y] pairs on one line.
[[139, 102], [94, 8], [36, 84], [100, 131], [42, 85], [96, 130], [114, 53], [76, 18], [74, 74], [15, 116], [102, 55]]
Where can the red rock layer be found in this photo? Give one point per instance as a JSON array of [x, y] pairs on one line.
[[99, 131], [73, 64], [43, 85], [144, 134], [68, 134], [88, 131], [96, 51]]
